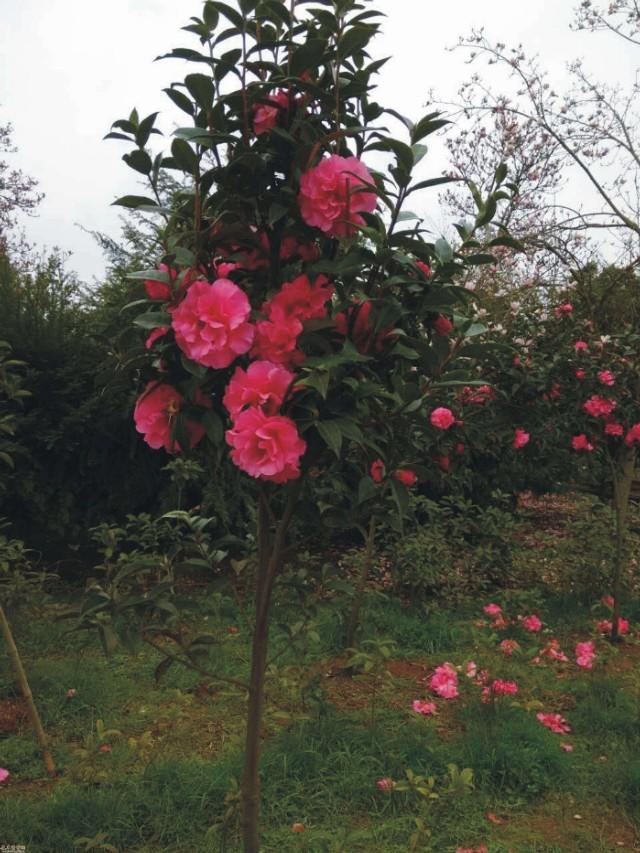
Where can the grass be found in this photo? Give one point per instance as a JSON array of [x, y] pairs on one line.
[[168, 778]]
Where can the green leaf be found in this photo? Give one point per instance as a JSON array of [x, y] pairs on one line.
[[332, 435], [429, 124], [152, 319], [135, 201], [180, 100], [138, 160], [214, 427], [443, 250], [200, 87]]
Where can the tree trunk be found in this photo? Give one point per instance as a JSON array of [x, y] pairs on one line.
[[270, 559], [354, 618], [23, 684], [623, 473]]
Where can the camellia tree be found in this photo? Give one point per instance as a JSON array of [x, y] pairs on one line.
[[300, 313], [575, 383]]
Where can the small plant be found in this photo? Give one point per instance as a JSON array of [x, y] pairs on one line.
[[98, 842]]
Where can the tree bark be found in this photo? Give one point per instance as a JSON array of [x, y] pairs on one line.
[[23, 684], [354, 618], [270, 560], [623, 473]]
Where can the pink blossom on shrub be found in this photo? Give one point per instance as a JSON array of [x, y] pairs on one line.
[[290, 247], [608, 601], [554, 722], [444, 681], [471, 669], [377, 471], [442, 326], [406, 476], [520, 438], [276, 339], [386, 784], [301, 299], [492, 609], [504, 688], [552, 650], [581, 346], [333, 195], [599, 407], [210, 323], [4, 775], [581, 442], [155, 413], [606, 377], [605, 626], [425, 269], [443, 463], [155, 335], [427, 709], [563, 310], [585, 653], [263, 384], [442, 418], [459, 448], [266, 446], [265, 115], [580, 373], [613, 428], [355, 324], [532, 623], [633, 436], [160, 289]]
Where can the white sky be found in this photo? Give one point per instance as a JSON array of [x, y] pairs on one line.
[[68, 68]]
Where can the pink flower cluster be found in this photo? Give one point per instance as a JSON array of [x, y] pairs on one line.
[[442, 418], [599, 407], [504, 688], [427, 709], [155, 416], [444, 681], [605, 626], [520, 438]]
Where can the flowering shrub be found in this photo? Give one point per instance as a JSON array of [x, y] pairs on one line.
[[296, 301]]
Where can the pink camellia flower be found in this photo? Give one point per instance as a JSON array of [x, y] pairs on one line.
[[613, 428], [444, 681], [443, 463], [606, 377], [585, 653], [563, 310], [291, 248], [554, 722], [442, 418], [333, 195], [4, 775], [265, 115], [566, 747], [520, 438], [608, 601], [211, 325], [580, 373], [599, 407], [471, 669], [406, 476], [442, 326], [355, 323], [581, 346], [581, 442], [605, 626], [276, 339], [508, 647], [377, 471], [223, 268], [263, 384], [499, 623], [160, 289], [386, 784], [532, 623], [266, 446], [633, 436], [504, 688], [427, 709], [155, 335], [155, 413], [492, 609], [425, 269], [301, 299]]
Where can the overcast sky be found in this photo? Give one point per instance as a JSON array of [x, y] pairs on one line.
[[68, 68]]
